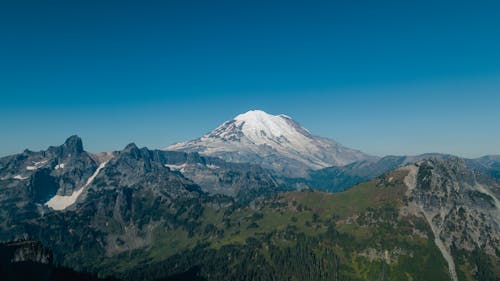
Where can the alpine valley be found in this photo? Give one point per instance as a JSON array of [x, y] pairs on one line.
[[257, 198]]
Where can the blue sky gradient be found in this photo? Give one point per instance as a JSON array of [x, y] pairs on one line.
[[386, 77]]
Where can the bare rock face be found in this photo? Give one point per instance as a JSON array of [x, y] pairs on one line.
[[26, 251], [57, 170], [217, 176], [459, 204], [276, 142], [464, 209], [29, 179], [116, 200]]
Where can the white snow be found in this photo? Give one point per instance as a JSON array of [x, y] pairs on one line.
[[61, 202], [256, 122], [176, 167], [285, 116], [59, 166], [16, 177], [262, 128], [257, 132], [36, 165]]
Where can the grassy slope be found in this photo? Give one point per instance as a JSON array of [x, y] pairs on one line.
[[374, 242]]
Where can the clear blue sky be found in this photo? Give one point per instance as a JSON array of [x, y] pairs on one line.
[[386, 77]]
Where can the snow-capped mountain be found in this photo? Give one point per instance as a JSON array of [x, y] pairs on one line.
[[273, 141]]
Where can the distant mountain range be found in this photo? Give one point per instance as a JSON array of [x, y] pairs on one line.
[[282, 145], [247, 202]]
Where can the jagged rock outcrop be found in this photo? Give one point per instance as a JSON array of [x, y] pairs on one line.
[[25, 251], [120, 199], [29, 260], [459, 204], [68, 166], [463, 208], [217, 176]]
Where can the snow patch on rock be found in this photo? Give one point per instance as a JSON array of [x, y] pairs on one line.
[[176, 167], [61, 202], [36, 165], [59, 166], [16, 177]]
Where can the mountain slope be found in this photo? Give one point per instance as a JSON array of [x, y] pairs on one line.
[[378, 230], [217, 176], [148, 214], [463, 211], [489, 165], [338, 178], [275, 142], [120, 190]]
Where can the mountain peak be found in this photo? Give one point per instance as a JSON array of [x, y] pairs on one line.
[[253, 114], [257, 114], [275, 141], [130, 147], [73, 144], [260, 126]]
